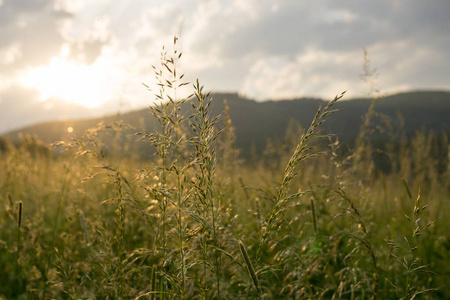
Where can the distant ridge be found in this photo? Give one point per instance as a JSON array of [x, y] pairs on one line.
[[255, 122]]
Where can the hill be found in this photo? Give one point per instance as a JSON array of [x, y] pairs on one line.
[[255, 122]]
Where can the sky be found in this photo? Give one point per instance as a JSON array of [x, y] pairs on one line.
[[62, 59]]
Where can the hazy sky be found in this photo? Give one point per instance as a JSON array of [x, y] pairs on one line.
[[72, 58]]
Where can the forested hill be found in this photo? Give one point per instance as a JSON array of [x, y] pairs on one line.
[[255, 122]]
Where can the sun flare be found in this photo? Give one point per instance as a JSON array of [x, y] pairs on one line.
[[64, 79]]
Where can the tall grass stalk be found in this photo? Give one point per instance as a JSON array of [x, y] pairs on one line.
[[313, 214], [169, 142], [19, 242], [205, 134], [364, 239], [84, 227], [409, 247], [302, 152], [56, 226], [250, 268]]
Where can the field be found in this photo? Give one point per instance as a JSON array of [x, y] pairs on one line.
[[303, 220]]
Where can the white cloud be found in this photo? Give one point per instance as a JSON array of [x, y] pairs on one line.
[[70, 6], [312, 73]]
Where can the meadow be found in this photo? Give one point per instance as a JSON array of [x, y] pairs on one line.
[[305, 219]]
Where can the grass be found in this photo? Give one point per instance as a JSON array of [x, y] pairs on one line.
[[196, 222]]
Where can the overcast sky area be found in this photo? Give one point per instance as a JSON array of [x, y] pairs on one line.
[[64, 59]]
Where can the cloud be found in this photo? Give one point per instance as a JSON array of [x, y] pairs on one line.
[[35, 31], [268, 40], [311, 71], [85, 51], [30, 33], [411, 66]]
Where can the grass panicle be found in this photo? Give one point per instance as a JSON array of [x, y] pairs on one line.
[[250, 268]]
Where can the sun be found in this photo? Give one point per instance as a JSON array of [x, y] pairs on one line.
[[86, 85]]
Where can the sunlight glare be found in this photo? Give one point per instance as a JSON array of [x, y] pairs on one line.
[[85, 85]]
